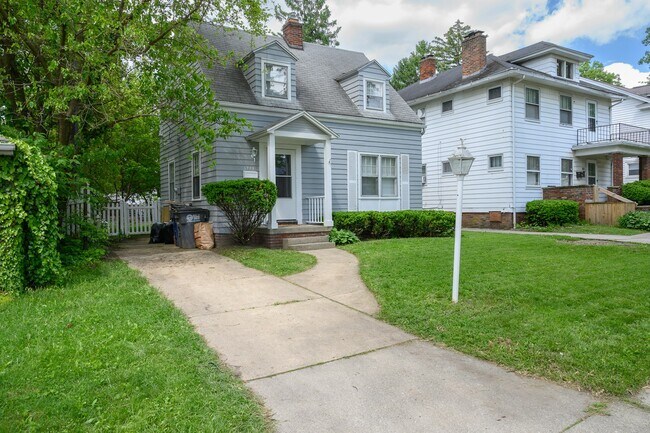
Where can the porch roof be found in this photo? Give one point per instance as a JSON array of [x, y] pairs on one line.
[[624, 147], [323, 132]]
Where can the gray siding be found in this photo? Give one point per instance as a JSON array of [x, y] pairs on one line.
[[353, 86], [374, 72], [273, 54]]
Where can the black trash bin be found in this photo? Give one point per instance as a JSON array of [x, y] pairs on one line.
[[185, 217]]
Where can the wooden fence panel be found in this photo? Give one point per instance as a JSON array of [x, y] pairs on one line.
[[607, 213]]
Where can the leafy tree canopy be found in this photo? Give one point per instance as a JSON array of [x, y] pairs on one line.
[[73, 68], [596, 71], [315, 16], [407, 70], [646, 42]]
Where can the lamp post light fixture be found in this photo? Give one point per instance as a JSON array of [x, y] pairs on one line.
[[461, 162]]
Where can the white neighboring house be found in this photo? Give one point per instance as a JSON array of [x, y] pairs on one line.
[[529, 121], [634, 109]]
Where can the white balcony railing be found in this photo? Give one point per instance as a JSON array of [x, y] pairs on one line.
[[315, 207]]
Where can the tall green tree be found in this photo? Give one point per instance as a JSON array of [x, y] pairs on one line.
[[448, 48], [646, 57], [596, 71], [315, 15], [407, 70], [70, 69]]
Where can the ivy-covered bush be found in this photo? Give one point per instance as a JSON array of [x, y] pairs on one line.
[[245, 202], [396, 224], [342, 237], [638, 191], [28, 220], [544, 213], [87, 245], [635, 220]]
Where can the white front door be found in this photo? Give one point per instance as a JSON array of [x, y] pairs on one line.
[[285, 179]]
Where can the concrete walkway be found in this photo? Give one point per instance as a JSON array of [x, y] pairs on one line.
[[310, 348], [643, 238]]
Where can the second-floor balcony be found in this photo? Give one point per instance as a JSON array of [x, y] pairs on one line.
[[628, 140]]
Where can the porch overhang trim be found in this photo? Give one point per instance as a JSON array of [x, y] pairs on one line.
[[274, 128], [7, 148], [626, 148]]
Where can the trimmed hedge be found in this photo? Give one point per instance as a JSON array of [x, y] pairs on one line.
[[552, 212], [638, 191], [396, 224], [635, 220]]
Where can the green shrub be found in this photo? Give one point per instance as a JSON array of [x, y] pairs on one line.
[[87, 245], [637, 191], [544, 213], [245, 202], [396, 224], [635, 220], [342, 237], [28, 220]]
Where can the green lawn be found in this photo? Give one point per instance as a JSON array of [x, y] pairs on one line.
[[106, 352], [275, 262], [583, 228], [547, 306]]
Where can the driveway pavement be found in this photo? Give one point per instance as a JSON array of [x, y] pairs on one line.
[[309, 346]]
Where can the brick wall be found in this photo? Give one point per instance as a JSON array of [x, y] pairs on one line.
[[474, 53], [576, 193], [644, 167], [617, 169], [292, 33], [490, 220]]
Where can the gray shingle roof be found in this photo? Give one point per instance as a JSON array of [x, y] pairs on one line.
[[317, 68], [538, 47], [641, 90]]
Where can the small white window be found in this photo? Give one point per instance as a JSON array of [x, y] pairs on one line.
[[567, 172], [494, 93], [446, 167], [378, 176], [495, 162], [424, 174], [447, 106], [171, 176], [532, 104], [633, 169], [276, 80], [565, 69], [375, 95], [532, 171], [196, 176], [566, 110]]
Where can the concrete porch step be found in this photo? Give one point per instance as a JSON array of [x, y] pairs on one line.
[[286, 242], [311, 246]]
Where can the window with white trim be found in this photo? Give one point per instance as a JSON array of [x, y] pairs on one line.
[[565, 69], [495, 162], [446, 167], [276, 80], [378, 176], [566, 110], [532, 171], [196, 175], [375, 95], [566, 169], [532, 103], [447, 106], [171, 178], [494, 93], [633, 169]]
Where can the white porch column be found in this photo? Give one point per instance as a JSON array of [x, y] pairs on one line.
[[263, 144], [270, 171], [327, 202]]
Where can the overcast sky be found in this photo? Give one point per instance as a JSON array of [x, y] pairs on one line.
[[611, 30]]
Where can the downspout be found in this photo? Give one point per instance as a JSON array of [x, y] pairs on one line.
[[512, 140]]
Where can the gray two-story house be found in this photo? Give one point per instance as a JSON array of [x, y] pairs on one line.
[[327, 129]]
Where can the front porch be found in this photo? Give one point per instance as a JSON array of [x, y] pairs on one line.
[[617, 141], [295, 154]]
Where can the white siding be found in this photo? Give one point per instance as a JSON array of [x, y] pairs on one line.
[[485, 128], [628, 112], [546, 64]]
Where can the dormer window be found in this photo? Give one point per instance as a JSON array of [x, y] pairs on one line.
[[565, 69], [276, 80], [375, 96]]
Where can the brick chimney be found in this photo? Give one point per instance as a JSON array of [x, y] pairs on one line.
[[292, 32], [427, 67], [474, 53]]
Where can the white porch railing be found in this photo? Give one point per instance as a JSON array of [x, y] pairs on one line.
[[315, 209]]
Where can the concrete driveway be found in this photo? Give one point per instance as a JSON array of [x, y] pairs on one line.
[[310, 348]]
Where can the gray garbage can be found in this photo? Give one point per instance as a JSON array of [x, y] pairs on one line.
[[185, 217]]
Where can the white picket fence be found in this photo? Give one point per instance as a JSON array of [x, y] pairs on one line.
[[119, 218]]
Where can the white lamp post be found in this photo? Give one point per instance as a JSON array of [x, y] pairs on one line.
[[461, 161]]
